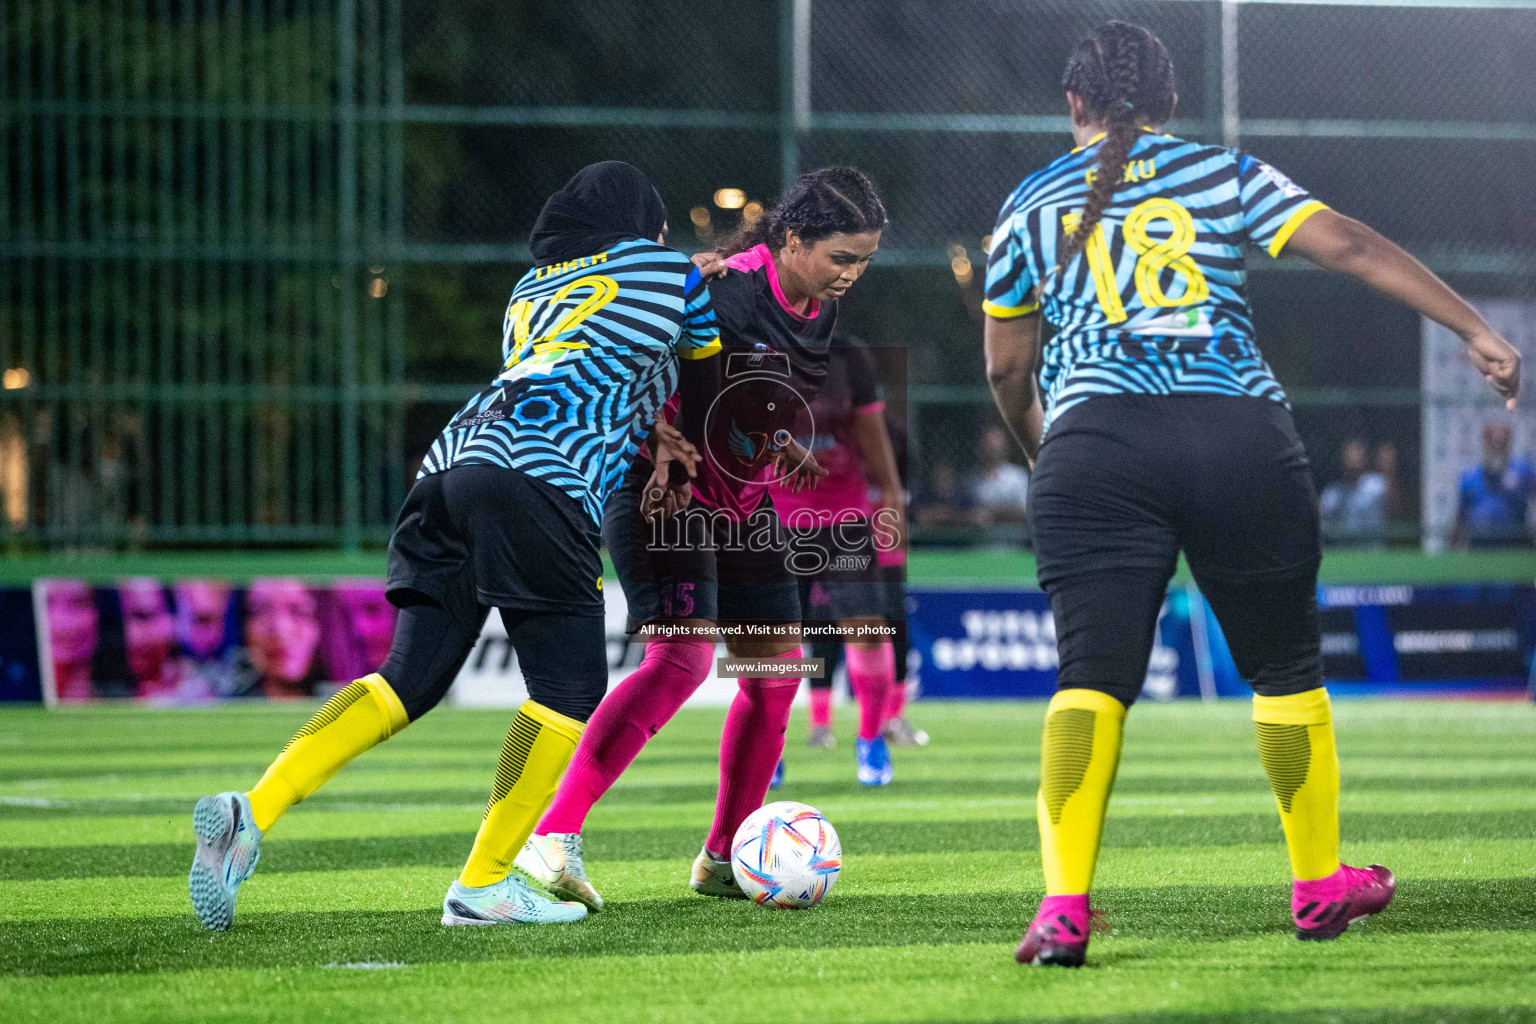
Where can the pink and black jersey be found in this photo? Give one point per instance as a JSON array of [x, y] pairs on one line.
[[851, 388], [775, 364]]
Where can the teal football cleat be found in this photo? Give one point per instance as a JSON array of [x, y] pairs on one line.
[[555, 862], [509, 901], [228, 847]]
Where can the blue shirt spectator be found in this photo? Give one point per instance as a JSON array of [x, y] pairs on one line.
[[1495, 497]]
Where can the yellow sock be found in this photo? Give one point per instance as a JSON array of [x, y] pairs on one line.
[[539, 746], [1297, 748], [361, 715], [1079, 755]]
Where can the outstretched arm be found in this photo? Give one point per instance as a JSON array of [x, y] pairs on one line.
[[1013, 351], [1338, 243]]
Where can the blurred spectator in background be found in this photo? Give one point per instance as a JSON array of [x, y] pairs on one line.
[[1354, 507], [1495, 498], [1001, 488], [1386, 463], [944, 502], [13, 472]]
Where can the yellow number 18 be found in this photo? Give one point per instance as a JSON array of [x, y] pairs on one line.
[[1152, 258]]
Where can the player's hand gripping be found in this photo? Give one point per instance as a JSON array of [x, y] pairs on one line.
[[797, 467], [670, 488], [711, 265], [1498, 361]]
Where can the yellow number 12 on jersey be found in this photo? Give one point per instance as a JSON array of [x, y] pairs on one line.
[[521, 314], [1152, 258]]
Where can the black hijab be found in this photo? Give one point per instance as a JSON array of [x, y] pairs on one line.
[[603, 204]]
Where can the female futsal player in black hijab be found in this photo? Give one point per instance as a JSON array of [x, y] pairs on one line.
[[504, 515]]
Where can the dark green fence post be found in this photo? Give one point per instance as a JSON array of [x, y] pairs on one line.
[[789, 130], [1213, 90], [394, 189], [346, 187]]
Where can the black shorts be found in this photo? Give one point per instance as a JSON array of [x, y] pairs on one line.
[[699, 564], [895, 577], [1123, 483], [896, 611], [519, 542], [839, 575]]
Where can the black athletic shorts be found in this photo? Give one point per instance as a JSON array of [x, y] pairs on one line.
[[839, 575], [896, 611], [895, 577], [699, 564], [1123, 483], [476, 537], [525, 544]]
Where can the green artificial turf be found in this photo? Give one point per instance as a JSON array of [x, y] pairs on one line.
[[940, 876]]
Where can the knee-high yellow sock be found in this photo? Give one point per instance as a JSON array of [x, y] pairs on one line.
[[1079, 755], [538, 747], [1297, 748], [362, 714]]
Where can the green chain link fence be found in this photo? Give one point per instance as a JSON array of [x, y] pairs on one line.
[[253, 252]]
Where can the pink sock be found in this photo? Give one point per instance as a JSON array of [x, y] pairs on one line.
[[897, 703], [750, 748], [821, 708], [626, 719], [871, 674]]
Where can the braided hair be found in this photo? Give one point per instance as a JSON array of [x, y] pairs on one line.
[[1125, 78], [821, 203]]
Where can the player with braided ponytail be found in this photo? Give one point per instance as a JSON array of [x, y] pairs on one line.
[[1161, 430], [1123, 78]]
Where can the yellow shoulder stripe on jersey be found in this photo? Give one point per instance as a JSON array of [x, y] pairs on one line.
[[1096, 138], [1090, 142], [992, 309], [1293, 222], [703, 352]]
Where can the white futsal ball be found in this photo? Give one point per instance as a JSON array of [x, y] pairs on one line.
[[786, 855]]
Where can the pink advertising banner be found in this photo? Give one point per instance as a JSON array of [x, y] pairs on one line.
[[193, 641]]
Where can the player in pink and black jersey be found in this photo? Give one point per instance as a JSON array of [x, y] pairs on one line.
[[842, 538], [893, 569], [709, 556]]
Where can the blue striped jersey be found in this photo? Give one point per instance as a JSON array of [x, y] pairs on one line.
[[590, 351], [1157, 303]]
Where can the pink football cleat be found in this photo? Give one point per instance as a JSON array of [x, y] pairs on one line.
[[1058, 936], [1324, 907]]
